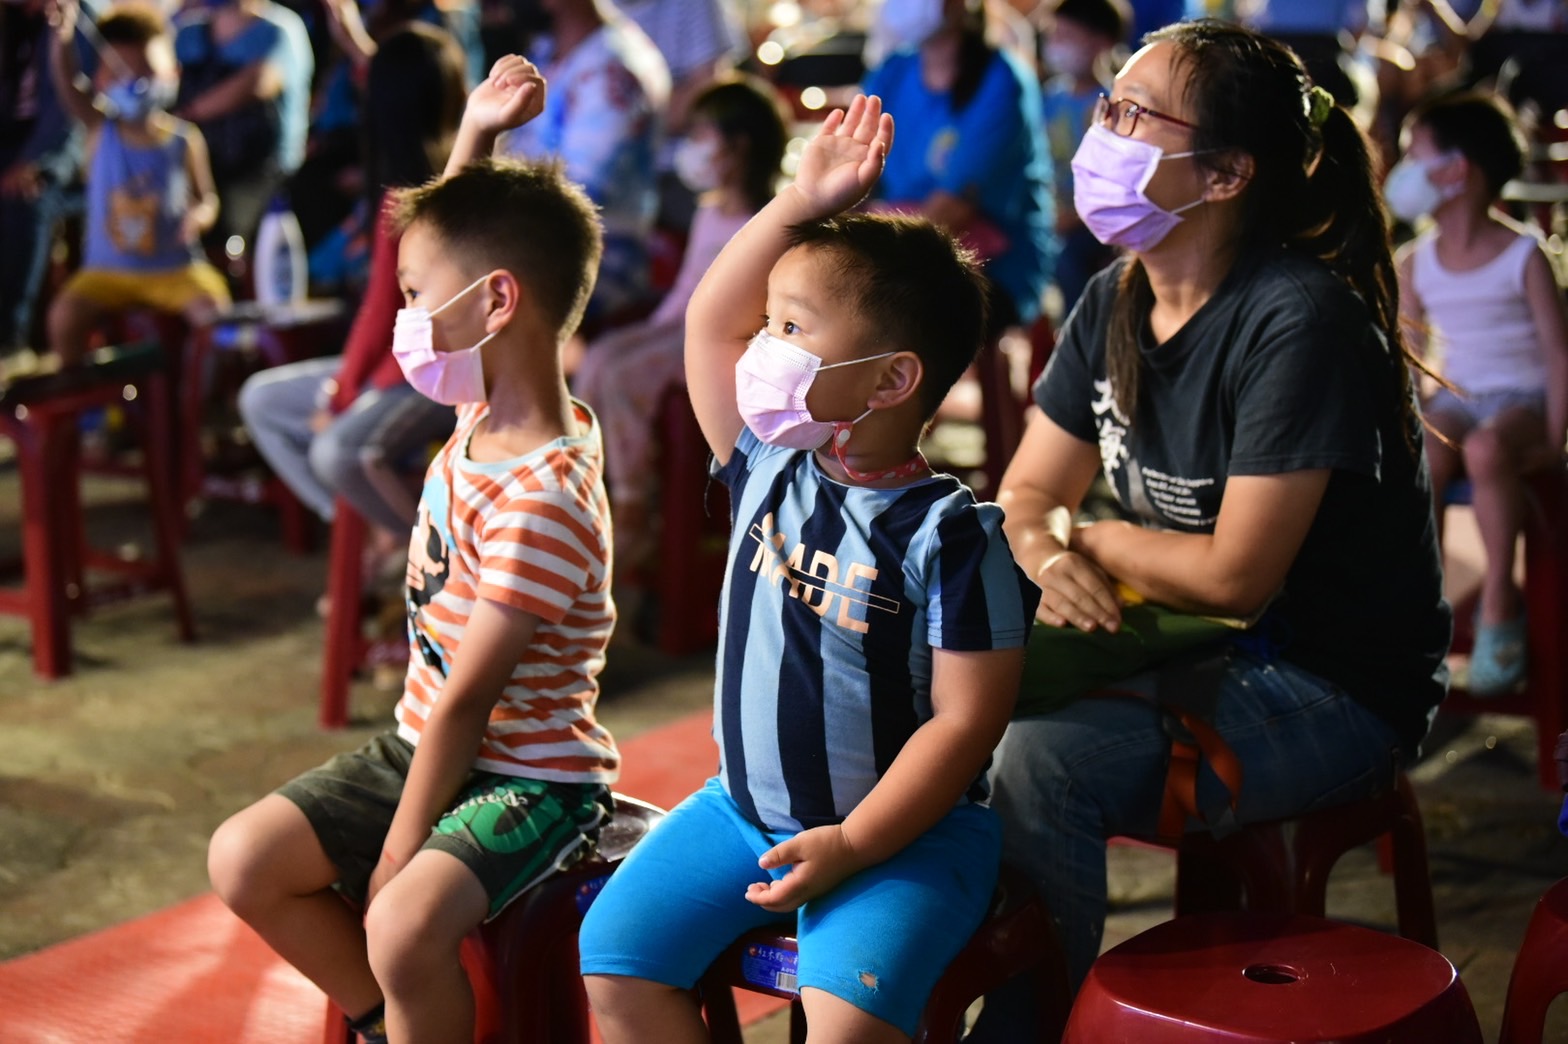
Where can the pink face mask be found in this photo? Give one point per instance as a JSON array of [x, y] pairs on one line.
[[771, 381], [1110, 173], [452, 378]]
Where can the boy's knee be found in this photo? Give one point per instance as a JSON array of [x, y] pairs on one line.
[[234, 865], [618, 997]]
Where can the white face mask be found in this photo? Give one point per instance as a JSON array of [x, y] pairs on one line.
[[451, 378], [910, 23], [1409, 189], [1069, 59], [697, 164]]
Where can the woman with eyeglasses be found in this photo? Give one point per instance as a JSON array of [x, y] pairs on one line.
[[1239, 378]]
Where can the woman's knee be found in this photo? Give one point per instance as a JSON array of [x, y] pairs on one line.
[[334, 463], [1486, 455]]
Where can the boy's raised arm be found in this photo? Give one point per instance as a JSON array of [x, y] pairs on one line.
[[837, 170], [509, 97]]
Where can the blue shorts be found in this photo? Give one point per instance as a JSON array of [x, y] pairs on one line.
[[1473, 411], [880, 940]]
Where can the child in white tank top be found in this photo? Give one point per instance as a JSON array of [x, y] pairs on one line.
[[1479, 291]]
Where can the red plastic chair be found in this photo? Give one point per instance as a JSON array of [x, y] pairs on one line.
[[344, 644], [1544, 696], [1016, 938], [1283, 866], [1540, 970], [1267, 978], [41, 416], [523, 966], [695, 534]]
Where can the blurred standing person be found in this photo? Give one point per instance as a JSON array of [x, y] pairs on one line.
[[971, 153], [40, 151], [1080, 40], [603, 116]]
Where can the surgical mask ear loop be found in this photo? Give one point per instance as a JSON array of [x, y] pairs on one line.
[[486, 339]]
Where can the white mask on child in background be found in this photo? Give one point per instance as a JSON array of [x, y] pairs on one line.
[[1069, 59], [771, 382], [133, 100], [696, 163], [909, 23], [1409, 189], [450, 378]]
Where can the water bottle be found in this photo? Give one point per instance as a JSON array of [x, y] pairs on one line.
[[280, 257]]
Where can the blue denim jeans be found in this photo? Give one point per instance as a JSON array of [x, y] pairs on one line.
[[1066, 781], [27, 230]]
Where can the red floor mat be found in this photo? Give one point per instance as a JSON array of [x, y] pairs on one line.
[[194, 973]]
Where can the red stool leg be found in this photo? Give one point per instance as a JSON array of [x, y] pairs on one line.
[[167, 510], [344, 641], [44, 526], [1540, 972], [1546, 612]]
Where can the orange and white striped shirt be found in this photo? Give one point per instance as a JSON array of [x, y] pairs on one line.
[[532, 533]]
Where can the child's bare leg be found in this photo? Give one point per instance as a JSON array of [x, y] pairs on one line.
[[628, 1010], [72, 320], [1493, 455], [201, 311], [267, 865], [415, 929], [833, 1020], [1444, 459]]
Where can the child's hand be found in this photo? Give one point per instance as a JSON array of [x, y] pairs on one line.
[[511, 96], [63, 15], [818, 858], [842, 163]]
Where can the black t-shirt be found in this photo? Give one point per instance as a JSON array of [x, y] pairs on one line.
[[1283, 370]]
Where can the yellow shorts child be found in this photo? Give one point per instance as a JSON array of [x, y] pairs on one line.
[[174, 291]]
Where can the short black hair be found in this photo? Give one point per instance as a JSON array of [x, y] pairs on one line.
[[527, 218], [912, 282], [1480, 126], [1107, 18], [132, 22]]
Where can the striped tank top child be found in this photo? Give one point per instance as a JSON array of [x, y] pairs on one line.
[[1482, 329], [531, 533], [136, 199]]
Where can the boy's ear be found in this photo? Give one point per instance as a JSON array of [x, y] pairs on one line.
[[503, 296], [900, 381]]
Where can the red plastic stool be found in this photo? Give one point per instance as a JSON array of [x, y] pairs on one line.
[[523, 965], [40, 414], [344, 644], [1283, 866], [1265, 978], [1540, 970], [1544, 696], [695, 534], [1016, 938]]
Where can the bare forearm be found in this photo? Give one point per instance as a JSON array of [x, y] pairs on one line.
[[924, 783], [67, 84], [470, 144], [1033, 526], [442, 761], [1181, 570], [727, 305]]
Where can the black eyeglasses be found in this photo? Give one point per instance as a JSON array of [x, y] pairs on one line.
[[1121, 116]]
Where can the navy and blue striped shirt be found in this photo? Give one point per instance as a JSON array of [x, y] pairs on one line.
[[834, 598]]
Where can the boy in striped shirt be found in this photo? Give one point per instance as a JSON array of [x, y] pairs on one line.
[[497, 773], [872, 630]]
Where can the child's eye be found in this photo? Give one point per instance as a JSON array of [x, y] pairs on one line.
[[789, 327]]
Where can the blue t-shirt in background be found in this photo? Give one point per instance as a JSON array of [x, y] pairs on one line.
[[992, 154]]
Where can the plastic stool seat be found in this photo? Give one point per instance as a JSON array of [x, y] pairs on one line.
[[1540, 972], [1016, 938], [1266, 978], [523, 966]]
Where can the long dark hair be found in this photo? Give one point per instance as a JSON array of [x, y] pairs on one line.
[[414, 100], [1312, 189], [974, 57], [750, 117]]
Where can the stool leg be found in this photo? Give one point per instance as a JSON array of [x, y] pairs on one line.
[[1412, 875], [718, 1007], [334, 1028], [343, 637], [1546, 613], [167, 514], [43, 528]]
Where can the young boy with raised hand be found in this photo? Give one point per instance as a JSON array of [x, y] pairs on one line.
[[872, 627], [497, 773]]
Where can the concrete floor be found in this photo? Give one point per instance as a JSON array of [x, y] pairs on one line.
[[113, 779]]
